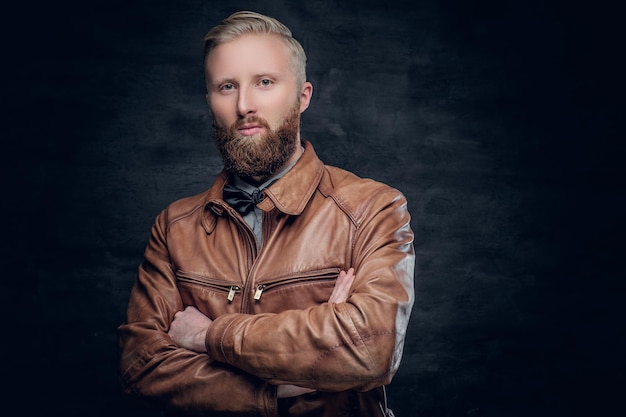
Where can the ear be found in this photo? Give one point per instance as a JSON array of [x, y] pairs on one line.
[[305, 96], [207, 97]]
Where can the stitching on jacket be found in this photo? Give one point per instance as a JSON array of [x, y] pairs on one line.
[[357, 222], [224, 337], [141, 356], [182, 216], [344, 209], [354, 319], [361, 340]]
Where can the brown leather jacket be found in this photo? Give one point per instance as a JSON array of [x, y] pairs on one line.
[[272, 324]]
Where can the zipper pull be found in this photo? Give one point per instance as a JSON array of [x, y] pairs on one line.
[[231, 293], [259, 291]]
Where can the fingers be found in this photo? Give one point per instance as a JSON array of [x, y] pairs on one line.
[[346, 284], [190, 316], [333, 295], [341, 291], [188, 329]]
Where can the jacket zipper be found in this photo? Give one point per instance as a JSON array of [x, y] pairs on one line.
[[322, 275], [230, 289]]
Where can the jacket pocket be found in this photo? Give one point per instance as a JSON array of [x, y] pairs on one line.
[[209, 294], [298, 290]]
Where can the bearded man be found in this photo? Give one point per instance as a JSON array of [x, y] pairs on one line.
[[286, 288]]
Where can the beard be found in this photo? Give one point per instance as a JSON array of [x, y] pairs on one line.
[[258, 156]]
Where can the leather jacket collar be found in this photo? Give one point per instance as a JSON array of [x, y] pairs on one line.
[[289, 194]]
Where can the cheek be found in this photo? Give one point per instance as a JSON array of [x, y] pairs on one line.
[[220, 116], [217, 120], [280, 112]]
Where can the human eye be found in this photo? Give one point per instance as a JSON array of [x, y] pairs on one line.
[[265, 82], [226, 87]]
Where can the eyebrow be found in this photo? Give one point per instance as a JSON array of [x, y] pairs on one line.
[[221, 81], [232, 80]]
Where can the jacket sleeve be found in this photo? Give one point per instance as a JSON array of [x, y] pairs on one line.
[[152, 366], [336, 346]]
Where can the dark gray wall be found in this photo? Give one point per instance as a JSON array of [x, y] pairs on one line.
[[493, 117]]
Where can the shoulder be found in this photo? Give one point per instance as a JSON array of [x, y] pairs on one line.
[[184, 208], [359, 196], [193, 205]]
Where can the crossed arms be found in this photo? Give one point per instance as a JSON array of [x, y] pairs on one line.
[[190, 326], [188, 360]]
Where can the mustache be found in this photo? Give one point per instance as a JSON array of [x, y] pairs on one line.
[[251, 120], [247, 120]]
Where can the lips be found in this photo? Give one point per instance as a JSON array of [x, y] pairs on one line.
[[250, 129]]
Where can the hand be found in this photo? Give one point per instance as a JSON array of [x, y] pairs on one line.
[[188, 329], [341, 291], [339, 295]]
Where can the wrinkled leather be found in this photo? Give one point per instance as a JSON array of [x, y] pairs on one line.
[[317, 221]]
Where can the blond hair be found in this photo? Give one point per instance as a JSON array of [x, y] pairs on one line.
[[245, 22]]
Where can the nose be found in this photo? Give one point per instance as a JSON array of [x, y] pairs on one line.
[[245, 102]]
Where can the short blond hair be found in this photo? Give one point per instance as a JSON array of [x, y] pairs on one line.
[[245, 22]]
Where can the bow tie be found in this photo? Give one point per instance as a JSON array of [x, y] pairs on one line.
[[241, 200]]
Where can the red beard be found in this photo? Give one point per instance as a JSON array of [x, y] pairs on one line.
[[258, 157]]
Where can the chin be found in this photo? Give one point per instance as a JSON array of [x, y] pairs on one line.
[[256, 137]]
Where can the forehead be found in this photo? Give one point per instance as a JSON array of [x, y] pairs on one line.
[[248, 54]]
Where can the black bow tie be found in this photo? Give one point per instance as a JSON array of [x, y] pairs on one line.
[[241, 200]]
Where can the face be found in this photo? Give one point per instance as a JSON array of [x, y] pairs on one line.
[[256, 104]]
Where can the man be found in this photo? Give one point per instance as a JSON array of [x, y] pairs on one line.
[[286, 288]]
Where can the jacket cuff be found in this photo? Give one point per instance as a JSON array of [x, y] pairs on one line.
[[216, 336], [270, 401], [219, 348]]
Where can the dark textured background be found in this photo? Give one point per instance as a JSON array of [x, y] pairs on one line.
[[495, 118]]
